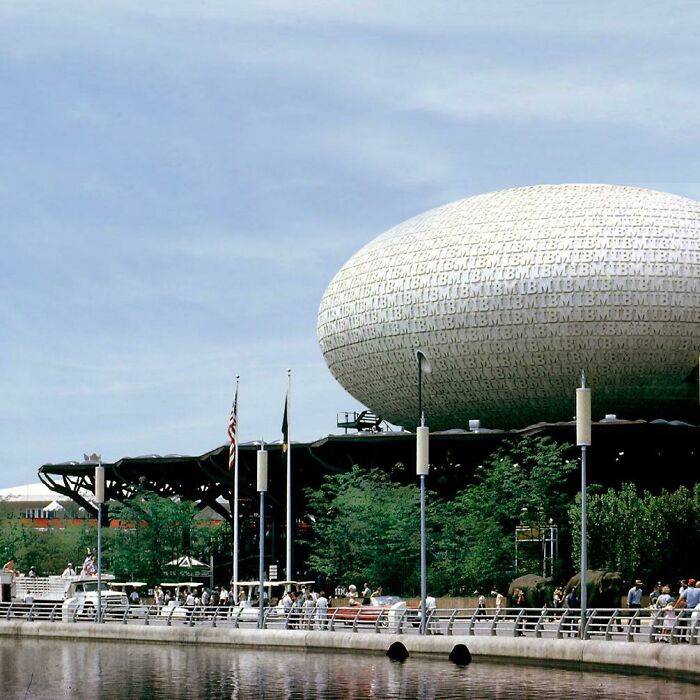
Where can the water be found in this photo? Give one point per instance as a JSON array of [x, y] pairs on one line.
[[56, 669]]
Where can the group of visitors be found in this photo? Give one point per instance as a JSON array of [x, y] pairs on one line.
[[194, 596], [306, 608], [663, 598]]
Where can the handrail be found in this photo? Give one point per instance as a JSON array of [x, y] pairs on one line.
[[643, 625]]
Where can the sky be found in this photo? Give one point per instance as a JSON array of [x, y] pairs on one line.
[[180, 181]]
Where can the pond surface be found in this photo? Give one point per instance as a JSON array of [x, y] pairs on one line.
[[74, 669]]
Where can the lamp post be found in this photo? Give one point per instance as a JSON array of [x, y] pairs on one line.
[[99, 499], [262, 488], [211, 564], [422, 462], [583, 440]]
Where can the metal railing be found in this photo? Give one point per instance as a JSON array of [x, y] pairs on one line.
[[645, 625]]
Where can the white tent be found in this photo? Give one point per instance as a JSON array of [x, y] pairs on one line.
[[187, 563], [53, 506]]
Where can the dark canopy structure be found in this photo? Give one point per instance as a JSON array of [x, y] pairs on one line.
[[634, 451], [653, 455]]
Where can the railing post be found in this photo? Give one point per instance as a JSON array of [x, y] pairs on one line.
[[630, 626], [516, 627], [611, 622], [590, 616], [653, 625], [560, 633], [538, 625], [494, 624], [331, 623], [355, 620], [450, 623]]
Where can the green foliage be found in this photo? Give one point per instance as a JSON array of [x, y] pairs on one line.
[[154, 531], [523, 482], [365, 529], [47, 550], [157, 531], [642, 536]]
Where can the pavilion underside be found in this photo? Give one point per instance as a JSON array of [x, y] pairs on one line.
[[622, 451]]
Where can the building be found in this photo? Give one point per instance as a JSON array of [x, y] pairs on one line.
[[509, 295]]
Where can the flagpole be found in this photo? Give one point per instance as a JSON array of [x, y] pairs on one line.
[[235, 502], [289, 482]]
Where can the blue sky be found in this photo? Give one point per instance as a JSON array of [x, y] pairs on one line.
[[179, 181]]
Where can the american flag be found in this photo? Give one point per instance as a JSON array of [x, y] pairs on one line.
[[232, 431]]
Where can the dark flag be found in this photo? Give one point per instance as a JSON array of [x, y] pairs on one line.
[[285, 427]]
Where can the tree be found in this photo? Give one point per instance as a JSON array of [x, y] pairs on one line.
[[47, 550], [523, 482], [642, 536], [364, 528], [155, 530]]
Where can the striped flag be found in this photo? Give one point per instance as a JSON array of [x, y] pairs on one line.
[[232, 432]]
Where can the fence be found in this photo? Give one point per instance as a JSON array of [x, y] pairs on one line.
[[645, 625]]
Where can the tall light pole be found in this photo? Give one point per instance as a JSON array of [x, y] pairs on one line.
[[290, 524], [583, 440], [262, 488], [422, 462], [99, 499]]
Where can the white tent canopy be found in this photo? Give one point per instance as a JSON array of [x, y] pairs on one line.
[[53, 506], [187, 563]]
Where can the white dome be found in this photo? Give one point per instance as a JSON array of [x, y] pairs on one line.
[[510, 294]]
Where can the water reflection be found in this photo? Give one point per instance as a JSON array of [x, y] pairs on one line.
[[75, 669]]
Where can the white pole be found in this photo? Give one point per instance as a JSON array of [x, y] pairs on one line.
[[262, 487], [235, 502], [422, 468], [99, 497], [583, 439], [290, 576]]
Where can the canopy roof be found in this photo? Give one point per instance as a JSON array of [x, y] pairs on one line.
[[623, 450], [187, 562]]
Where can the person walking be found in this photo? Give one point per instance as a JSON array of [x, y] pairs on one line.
[[634, 602], [572, 602], [432, 621], [223, 596], [322, 610], [500, 599], [309, 606]]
